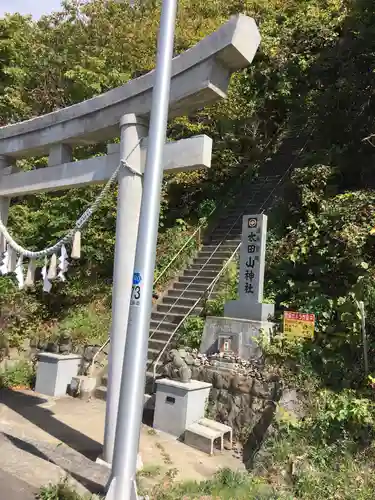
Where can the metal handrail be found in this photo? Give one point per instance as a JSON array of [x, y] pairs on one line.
[[91, 366], [198, 230], [210, 287]]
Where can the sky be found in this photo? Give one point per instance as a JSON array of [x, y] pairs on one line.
[[35, 7]]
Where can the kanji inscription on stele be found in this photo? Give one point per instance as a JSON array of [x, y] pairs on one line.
[[252, 257]]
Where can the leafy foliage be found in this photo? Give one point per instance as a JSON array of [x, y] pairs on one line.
[[84, 50], [307, 91], [22, 374], [227, 289], [225, 485], [190, 333], [62, 491]]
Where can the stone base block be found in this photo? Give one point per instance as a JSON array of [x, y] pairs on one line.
[[55, 372], [83, 387], [244, 309], [179, 404], [243, 335]]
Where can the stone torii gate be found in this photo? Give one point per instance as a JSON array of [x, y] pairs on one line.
[[200, 76]]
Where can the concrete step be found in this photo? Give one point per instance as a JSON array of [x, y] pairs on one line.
[[196, 282], [223, 234], [157, 344], [230, 239], [217, 251], [177, 309], [151, 363], [187, 294], [161, 334], [208, 265], [153, 353], [250, 204], [230, 226], [166, 326], [210, 260], [230, 217], [217, 240], [180, 300], [225, 246], [201, 273], [101, 391], [170, 318]]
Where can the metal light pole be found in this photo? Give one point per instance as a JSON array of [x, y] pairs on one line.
[[128, 208], [134, 368]]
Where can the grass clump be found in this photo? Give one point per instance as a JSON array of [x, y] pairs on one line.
[[225, 485], [62, 491], [20, 375]]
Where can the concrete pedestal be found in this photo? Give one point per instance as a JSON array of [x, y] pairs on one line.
[[245, 309], [241, 335], [55, 372], [179, 405]]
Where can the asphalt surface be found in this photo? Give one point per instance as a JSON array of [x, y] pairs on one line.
[[12, 488]]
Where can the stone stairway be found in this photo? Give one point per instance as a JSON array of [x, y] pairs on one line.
[[191, 284]]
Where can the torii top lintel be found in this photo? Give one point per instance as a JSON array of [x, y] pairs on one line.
[[200, 76]]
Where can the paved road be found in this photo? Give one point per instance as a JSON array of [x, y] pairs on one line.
[[13, 488]]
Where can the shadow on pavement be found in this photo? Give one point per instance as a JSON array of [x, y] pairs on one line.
[[55, 457], [28, 406]]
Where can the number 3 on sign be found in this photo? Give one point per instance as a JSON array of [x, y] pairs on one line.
[[136, 292], [136, 289]]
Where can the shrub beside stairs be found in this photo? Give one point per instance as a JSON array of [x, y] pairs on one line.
[[193, 281]]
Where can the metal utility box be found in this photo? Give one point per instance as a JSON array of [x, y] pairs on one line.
[[179, 405], [55, 372]]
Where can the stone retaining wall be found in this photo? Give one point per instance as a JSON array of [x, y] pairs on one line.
[[29, 349], [240, 392]]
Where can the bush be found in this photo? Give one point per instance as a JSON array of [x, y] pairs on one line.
[[190, 333], [21, 374], [88, 325], [342, 415], [227, 290]]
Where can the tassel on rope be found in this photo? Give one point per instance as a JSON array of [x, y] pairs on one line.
[[76, 246], [19, 273], [52, 270], [47, 285], [63, 263], [4, 263], [30, 275]]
